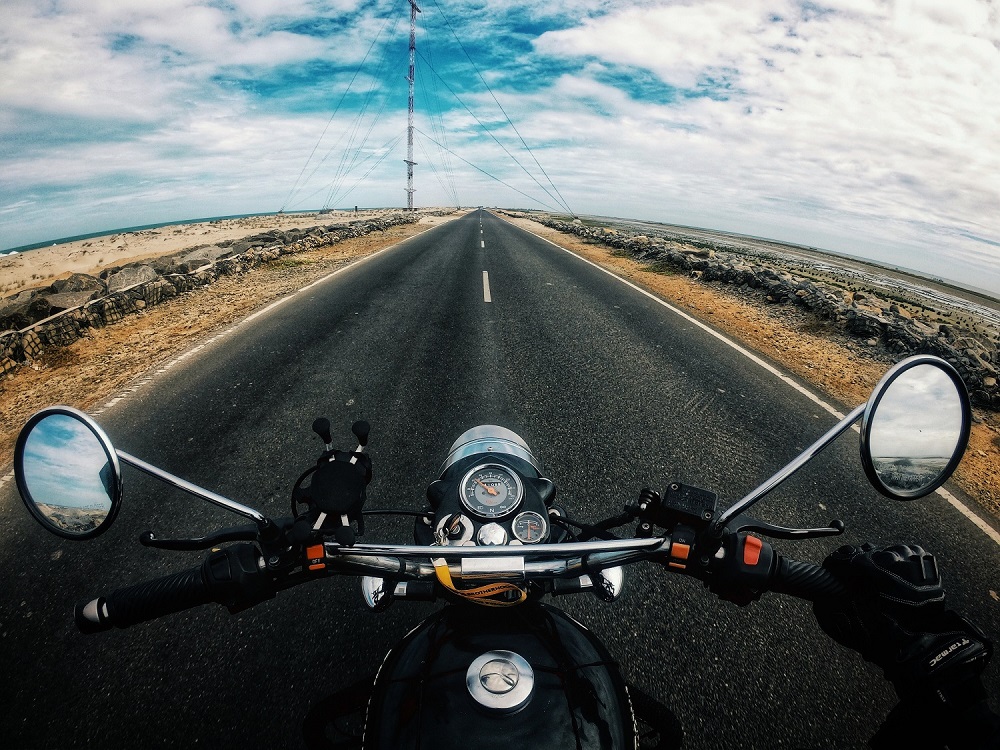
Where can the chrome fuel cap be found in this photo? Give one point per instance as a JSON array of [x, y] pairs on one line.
[[500, 681]]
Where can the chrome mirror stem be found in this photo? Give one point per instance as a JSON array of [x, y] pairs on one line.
[[807, 455], [193, 489]]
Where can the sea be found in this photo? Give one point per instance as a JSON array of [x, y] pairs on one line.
[[142, 228]]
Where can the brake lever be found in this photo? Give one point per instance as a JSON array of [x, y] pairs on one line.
[[748, 523], [234, 534]]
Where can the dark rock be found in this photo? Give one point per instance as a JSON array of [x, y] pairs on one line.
[[981, 398], [865, 324], [164, 265], [130, 276], [68, 300], [21, 314], [79, 282], [978, 359], [19, 297], [189, 265]]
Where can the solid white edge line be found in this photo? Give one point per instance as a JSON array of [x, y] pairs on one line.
[[970, 514], [708, 329], [952, 500], [486, 287]]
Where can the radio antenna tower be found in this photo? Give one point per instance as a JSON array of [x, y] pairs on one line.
[[409, 112]]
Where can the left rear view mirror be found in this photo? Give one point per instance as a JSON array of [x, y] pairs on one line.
[[67, 472]]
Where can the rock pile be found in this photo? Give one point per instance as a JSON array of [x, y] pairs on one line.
[[872, 320], [59, 314]]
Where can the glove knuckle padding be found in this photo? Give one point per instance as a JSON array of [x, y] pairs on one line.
[[896, 618]]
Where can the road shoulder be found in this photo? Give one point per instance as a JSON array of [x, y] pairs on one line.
[[812, 351]]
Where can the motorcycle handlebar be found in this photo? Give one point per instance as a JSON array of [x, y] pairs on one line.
[[144, 601], [746, 566], [233, 576], [805, 580]]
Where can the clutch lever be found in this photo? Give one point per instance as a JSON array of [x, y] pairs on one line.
[[747, 523], [234, 534]]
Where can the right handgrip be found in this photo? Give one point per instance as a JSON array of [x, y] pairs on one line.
[[805, 580], [144, 601]]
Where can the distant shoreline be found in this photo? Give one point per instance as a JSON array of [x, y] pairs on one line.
[[145, 227], [992, 299], [977, 294]]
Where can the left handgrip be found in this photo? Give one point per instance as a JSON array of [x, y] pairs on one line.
[[144, 601], [233, 576]]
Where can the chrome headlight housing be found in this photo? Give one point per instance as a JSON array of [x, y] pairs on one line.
[[489, 439]]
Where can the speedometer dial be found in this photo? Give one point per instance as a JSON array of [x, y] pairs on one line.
[[491, 491]]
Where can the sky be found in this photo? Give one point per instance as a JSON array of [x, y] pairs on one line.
[[919, 415], [860, 126], [63, 464]]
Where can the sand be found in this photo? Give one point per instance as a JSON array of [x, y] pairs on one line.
[[110, 360], [41, 266]]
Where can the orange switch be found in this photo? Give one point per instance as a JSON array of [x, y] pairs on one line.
[[316, 555], [751, 550]]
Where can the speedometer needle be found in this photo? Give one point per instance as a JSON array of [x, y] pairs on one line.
[[490, 490]]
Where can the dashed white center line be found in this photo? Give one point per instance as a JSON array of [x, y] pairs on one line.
[[482, 243], [486, 287]]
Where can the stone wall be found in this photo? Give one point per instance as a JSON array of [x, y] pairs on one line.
[[59, 314], [872, 320]]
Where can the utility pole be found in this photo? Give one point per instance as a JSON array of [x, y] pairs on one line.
[[409, 113]]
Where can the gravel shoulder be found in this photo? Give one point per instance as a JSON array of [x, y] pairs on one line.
[[109, 360], [817, 353], [92, 370]]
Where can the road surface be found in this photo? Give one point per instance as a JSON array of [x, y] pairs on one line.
[[472, 322]]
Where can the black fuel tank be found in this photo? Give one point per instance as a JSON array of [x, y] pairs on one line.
[[421, 699]]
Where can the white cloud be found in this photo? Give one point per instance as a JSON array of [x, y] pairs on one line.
[[169, 52], [868, 113], [861, 118]]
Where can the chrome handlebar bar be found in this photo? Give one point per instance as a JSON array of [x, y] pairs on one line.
[[565, 560]]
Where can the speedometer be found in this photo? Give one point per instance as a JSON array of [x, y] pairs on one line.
[[491, 491]]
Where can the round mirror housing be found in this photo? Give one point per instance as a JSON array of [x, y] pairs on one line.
[[915, 428], [67, 472]]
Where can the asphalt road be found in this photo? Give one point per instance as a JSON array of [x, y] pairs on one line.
[[612, 390]]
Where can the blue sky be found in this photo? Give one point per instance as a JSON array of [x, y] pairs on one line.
[[63, 462], [859, 126]]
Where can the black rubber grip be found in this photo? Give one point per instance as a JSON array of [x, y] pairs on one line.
[[144, 601], [805, 580]]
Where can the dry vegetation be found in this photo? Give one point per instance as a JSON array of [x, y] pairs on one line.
[[93, 369], [818, 354]]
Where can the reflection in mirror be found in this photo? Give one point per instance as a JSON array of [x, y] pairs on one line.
[[915, 430], [68, 475]]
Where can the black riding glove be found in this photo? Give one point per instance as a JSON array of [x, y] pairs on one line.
[[896, 618]]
